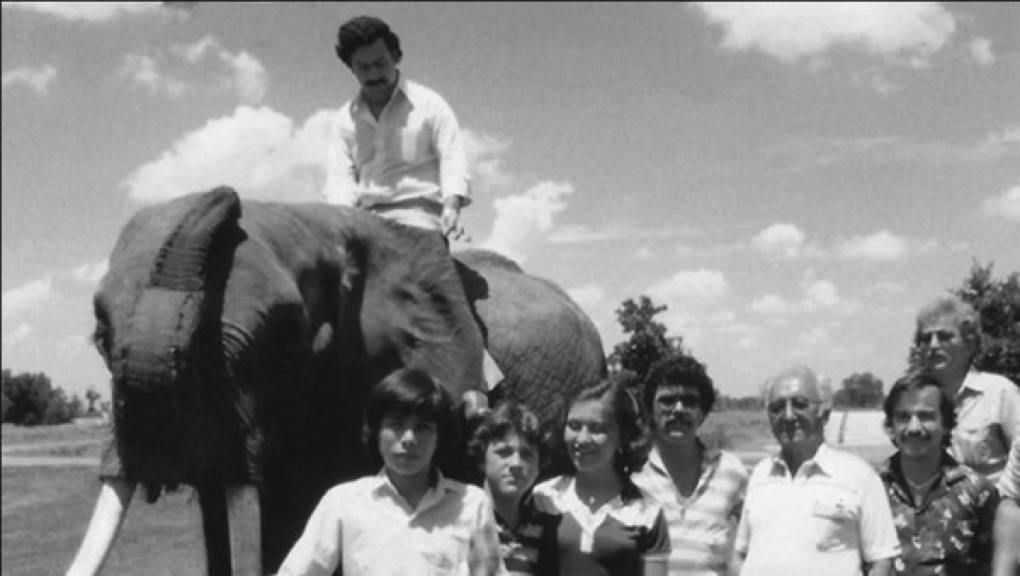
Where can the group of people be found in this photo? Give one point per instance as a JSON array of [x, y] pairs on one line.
[[643, 493]]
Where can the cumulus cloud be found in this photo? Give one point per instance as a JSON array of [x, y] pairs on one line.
[[485, 160], [815, 295], [35, 78], [259, 151], [781, 241], [691, 287], [905, 33], [981, 51], [204, 64], [882, 246], [523, 220], [26, 297], [141, 70], [1005, 205], [91, 272], [18, 335], [86, 11]]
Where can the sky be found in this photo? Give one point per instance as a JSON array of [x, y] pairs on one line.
[[793, 181]]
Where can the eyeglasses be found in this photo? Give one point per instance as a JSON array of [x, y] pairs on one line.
[[687, 400], [943, 337], [799, 404]]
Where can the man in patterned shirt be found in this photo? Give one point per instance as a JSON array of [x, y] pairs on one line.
[[701, 489], [943, 510]]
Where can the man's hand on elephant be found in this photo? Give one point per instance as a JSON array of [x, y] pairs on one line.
[[476, 406], [453, 228]]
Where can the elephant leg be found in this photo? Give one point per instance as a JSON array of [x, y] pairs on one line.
[[212, 500], [244, 519], [231, 520]]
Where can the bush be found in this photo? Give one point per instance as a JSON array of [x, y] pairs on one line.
[[30, 399]]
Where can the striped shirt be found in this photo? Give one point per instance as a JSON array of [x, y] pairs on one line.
[[701, 526], [529, 548]]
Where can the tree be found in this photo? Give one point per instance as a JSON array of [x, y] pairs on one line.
[[30, 399], [859, 390], [648, 341], [92, 396], [998, 303]]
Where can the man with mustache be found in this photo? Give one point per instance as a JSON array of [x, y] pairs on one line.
[[942, 509], [701, 488], [396, 150], [812, 509], [947, 340]]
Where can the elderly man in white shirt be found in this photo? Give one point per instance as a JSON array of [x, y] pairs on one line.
[[812, 509]]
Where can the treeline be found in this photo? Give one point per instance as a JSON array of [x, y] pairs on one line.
[[30, 399], [997, 301]]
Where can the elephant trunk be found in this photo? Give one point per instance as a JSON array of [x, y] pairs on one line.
[[172, 408]]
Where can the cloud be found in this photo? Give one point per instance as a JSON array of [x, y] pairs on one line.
[[815, 295], [882, 246], [205, 63], [782, 241], [35, 78], [1005, 205], [587, 297], [141, 70], [91, 272], [485, 160], [523, 220], [250, 77], [92, 12], [27, 297], [691, 288], [258, 151], [904, 33], [18, 335], [981, 51]]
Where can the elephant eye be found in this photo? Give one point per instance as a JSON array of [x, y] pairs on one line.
[[101, 335]]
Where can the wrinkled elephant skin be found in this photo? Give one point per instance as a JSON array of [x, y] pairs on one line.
[[242, 339]]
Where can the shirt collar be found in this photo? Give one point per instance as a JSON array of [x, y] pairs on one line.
[[709, 458], [359, 101], [435, 493], [821, 463], [969, 386], [892, 474]]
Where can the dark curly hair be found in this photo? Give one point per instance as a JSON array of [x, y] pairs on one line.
[[413, 392], [635, 440], [679, 370], [509, 416], [362, 31], [916, 380]]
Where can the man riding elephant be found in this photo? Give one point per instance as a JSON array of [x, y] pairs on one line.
[[241, 341], [396, 148]]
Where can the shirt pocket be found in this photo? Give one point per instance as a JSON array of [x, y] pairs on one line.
[[836, 519], [445, 553]]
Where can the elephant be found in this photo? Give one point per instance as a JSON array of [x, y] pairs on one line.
[[242, 339]]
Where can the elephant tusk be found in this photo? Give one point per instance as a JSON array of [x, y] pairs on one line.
[[111, 507]]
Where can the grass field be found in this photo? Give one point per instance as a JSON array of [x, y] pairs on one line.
[[47, 507]]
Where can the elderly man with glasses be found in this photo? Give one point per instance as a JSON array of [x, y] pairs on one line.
[[812, 509]]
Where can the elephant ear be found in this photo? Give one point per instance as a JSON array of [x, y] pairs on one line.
[[414, 307]]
